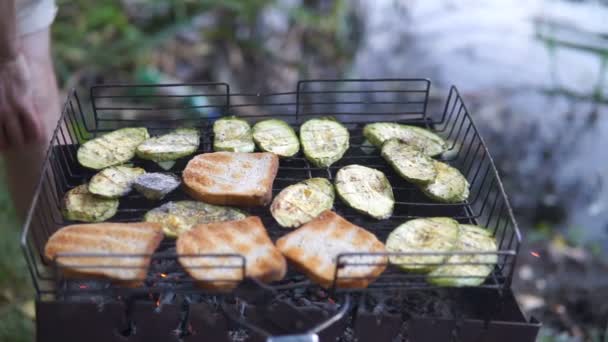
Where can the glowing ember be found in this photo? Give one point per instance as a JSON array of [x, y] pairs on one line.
[[535, 254], [83, 286], [163, 275]]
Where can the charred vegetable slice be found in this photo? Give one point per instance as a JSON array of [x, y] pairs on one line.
[[116, 147], [81, 205], [409, 162], [233, 135], [438, 234], [449, 185], [114, 181], [366, 190], [155, 186], [276, 136], [473, 269], [302, 202], [428, 142], [174, 145], [324, 141], [178, 217]]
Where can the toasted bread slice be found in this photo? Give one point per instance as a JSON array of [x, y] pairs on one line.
[[232, 178], [314, 249], [200, 252], [101, 249]]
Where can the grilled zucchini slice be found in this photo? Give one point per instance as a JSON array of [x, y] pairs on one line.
[[324, 141], [81, 205], [449, 185], [437, 234], [277, 137], [156, 185], [409, 162], [366, 190], [180, 216], [473, 269], [301, 202], [233, 135], [171, 146], [116, 147], [428, 142], [114, 181]]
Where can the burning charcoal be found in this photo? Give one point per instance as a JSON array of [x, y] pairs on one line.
[[155, 186], [239, 335]]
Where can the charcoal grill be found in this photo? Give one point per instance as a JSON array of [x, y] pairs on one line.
[[168, 306]]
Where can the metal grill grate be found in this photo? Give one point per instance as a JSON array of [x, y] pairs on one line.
[[353, 102]]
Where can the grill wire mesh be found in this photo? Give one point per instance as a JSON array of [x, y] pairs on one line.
[[353, 102]]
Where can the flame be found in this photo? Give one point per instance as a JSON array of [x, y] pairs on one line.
[[163, 275], [83, 286], [535, 254]]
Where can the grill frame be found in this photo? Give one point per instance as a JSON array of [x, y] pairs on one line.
[[400, 100]]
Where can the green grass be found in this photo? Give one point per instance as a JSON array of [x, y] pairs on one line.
[[16, 291]]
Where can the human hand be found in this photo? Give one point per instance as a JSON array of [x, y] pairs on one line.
[[19, 122]]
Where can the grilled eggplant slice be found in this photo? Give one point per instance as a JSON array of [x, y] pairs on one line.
[[81, 205], [114, 181], [449, 185], [171, 146], [437, 234], [180, 216], [276, 136], [472, 269], [366, 190], [302, 202], [114, 148], [324, 141], [232, 134], [409, 162], [428, 142], [155, 186]]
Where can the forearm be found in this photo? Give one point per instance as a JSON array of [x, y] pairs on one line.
[[8, 31]]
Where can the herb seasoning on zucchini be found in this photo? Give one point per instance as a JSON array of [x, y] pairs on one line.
[[324, 141], [277, 137], [449, 185], [428, 142], [409, 162], [114, 181], [366, 190], [116, 147], [467, 269], [438, 234], [301, 202], [171, 146], [232, 134], [81, 205]]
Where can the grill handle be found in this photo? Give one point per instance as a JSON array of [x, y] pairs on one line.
[[263, 297]]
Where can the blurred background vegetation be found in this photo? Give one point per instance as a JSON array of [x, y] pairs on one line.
[[537, 92]]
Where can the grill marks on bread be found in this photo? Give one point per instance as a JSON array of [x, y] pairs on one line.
[[314, 249], [232, 178], [246, 237], [113, 241]]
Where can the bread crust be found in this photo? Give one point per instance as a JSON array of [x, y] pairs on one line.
[[211, 177], [113, 239], [314, 248], [246, 237]]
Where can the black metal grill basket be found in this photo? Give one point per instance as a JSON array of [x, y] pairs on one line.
[[354, 103]]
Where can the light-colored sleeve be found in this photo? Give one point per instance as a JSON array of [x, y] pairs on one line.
[[34, 15]]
